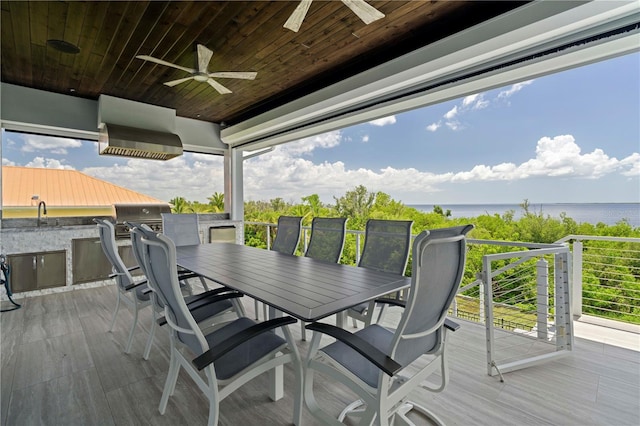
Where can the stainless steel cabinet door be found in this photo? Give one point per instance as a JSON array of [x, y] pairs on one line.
[[52, 269]]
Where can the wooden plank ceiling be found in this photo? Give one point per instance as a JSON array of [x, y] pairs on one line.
[[332, 44]]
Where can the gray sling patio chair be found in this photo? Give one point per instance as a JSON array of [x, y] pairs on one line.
[[286, 241], [383, 366], [230, 356], [326, 243], [132, 293], [288, 234], [386, 248], [184, 230], [205, 307]]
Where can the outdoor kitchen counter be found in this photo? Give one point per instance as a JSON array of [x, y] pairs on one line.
[[20, 236]]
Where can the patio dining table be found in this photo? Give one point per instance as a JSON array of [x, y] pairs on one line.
[[305, 288]]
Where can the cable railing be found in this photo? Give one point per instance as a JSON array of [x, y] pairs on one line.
[[606, 277]]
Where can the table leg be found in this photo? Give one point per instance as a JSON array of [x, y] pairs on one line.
[[276, 375], [341, 317]]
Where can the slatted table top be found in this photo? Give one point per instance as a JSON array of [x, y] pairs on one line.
[[305, 288]]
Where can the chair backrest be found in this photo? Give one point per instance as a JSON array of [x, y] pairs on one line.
[[288, 235], [159, 254], [183, 229], [437, 269], [327, 238], [386, 245], [137, 231], [107, 232]]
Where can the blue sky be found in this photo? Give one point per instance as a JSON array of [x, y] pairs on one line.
[[568, 137]]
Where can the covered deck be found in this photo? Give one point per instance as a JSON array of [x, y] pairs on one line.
[[61, 366]]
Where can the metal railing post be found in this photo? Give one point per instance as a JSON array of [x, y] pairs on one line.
[[542, 298], [576, 284], [268, 237], [357, 249]]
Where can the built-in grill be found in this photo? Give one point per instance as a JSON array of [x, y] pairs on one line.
[[149, 214]]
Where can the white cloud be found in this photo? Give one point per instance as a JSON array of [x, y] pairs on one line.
[[515, 88], [473, 102], [454, 125], [434, 126], [451, 113], [7, 162], [187, 176], [55, 145], [365, 138], [384, 121], [48, 163], [307, 145], [555, 157], [633, 162], [287, 173]]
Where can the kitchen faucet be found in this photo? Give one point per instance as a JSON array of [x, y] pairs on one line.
[[44, 211]]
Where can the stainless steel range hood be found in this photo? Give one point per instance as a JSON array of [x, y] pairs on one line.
[[126, 141]]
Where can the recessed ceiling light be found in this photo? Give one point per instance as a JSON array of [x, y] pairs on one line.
[[64, 46]]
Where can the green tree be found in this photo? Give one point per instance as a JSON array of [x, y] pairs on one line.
[[179, 205], [356, 205], [216, 202]]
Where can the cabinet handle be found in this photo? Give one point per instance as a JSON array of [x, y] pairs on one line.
[[42, 261], [35, 264]]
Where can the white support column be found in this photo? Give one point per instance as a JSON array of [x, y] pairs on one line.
[[542, 302], [234, 184], [576, 284]]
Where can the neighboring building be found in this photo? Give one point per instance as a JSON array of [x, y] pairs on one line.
[[65, 193]]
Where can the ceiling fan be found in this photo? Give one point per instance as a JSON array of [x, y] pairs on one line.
[[365, 11], [200, 73]]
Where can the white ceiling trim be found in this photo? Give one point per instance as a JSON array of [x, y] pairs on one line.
[[534, 27]]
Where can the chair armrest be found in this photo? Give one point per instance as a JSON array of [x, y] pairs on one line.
[[185, 275], [134, 285], [364, 348], [451, 325], [237, 339], [209, 293], [212, 298], [204, 302], [394, 302]]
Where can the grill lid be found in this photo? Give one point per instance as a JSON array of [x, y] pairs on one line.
[[143, 213]]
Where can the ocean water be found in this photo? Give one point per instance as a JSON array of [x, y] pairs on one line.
[[607, 213]]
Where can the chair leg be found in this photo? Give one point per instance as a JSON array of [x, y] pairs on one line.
[[204, 284], [408, 406], [256, 309], [133, 328], [152, 331], [303, 330], [115, 313], [168, 384]]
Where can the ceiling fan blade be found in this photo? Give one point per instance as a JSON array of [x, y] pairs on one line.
[[234, 74], [204, 56], [176, 82], [161, 62], [364, 10], [296, 18], [219, 87]]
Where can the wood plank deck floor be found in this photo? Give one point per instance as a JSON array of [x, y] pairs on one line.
[[60, 366]]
